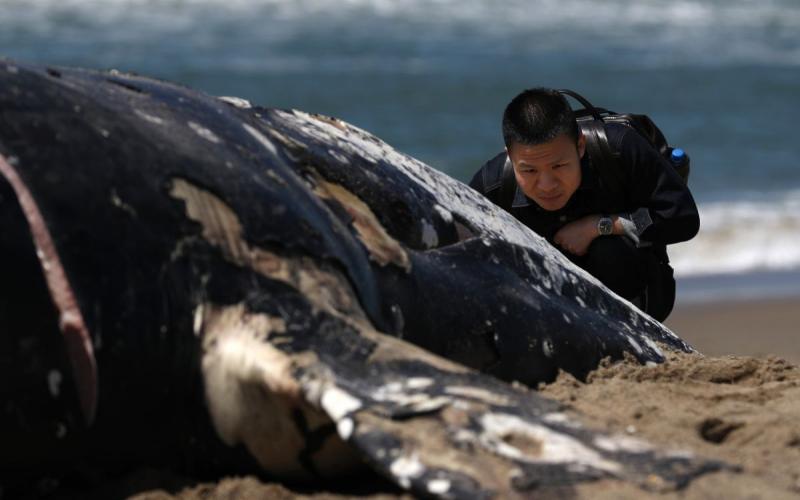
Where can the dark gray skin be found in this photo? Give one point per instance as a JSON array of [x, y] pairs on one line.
[[169, 209]]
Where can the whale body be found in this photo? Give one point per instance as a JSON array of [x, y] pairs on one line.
[[194, 282]]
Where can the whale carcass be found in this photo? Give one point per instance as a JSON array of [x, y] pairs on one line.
[[289, 283]]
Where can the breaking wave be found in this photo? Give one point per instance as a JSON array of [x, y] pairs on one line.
[[683, 32], [741, 236]]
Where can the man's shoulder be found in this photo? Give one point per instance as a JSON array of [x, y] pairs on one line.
[[626, 142], [619, 136], [490, 176]]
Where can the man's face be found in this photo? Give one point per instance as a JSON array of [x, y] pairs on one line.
[[549, 173]]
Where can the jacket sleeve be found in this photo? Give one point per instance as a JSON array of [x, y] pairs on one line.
[[477, 181], [664, 209]]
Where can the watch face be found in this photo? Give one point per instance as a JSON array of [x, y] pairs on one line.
[[605, 226]]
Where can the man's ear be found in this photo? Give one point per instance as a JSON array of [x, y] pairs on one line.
[[581, 145]]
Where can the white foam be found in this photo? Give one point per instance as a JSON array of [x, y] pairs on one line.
[[511, 13], [677, 32], [743, 235]]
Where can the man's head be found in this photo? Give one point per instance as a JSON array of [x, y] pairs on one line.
[[545, 146]]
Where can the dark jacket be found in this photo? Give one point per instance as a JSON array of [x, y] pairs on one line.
[[657, 202]]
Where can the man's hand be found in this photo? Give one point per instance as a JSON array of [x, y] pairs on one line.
[[576, 236]]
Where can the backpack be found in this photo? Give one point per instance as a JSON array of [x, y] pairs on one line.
[[592, 122]]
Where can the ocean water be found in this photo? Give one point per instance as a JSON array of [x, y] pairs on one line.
[[431, 77]]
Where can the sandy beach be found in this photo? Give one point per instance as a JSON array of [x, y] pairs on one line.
[[740, 410], [738, 402]]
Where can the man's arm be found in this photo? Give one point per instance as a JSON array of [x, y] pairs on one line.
[[665, 210], [576, 236]]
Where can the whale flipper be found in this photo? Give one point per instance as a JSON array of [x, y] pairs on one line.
[[431, 426]]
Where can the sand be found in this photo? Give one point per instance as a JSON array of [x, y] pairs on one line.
[[740, 410]]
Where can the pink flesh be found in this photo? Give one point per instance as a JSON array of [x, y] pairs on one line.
[[73, 328]]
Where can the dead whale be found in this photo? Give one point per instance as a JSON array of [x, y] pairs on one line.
[[196, 283]]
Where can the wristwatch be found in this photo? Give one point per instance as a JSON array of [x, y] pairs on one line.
[[605, 225]]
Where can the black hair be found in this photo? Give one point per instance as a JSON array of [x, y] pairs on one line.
[[537, 116]]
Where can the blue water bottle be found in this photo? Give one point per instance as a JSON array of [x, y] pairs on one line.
[[680, 162]]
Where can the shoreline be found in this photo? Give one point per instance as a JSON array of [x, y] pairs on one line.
[[759, 327], [759, 285]]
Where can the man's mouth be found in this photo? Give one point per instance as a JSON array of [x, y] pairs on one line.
[[550, 196]]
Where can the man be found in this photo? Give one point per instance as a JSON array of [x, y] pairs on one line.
[[620, 238]]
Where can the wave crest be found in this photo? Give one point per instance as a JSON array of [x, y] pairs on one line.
[[743, 235]]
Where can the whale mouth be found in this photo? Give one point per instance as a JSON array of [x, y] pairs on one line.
[[73, 328]]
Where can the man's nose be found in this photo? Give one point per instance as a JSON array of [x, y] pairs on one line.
[[547, 182]]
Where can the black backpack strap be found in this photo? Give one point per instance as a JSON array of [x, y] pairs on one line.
[[587, 106], [508, 186], [604, 162]]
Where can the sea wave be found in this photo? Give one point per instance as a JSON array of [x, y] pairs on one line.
[[693, 13], [744, 235], [656, 32]]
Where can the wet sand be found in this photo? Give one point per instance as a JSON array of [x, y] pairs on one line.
[[757, 327]]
